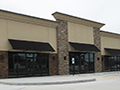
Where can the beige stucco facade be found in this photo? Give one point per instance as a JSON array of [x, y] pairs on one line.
[[58, 34], [79, 30], [109, 40], [80, 33], [26, 28]]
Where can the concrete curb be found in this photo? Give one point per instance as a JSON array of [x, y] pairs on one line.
[[50, 83], [99, 74]]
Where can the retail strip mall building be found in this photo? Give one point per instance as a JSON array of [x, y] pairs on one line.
[[31, 46]]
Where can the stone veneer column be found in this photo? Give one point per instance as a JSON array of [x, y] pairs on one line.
[[62, 47], [97, 43], [4, 64], [53, 64]]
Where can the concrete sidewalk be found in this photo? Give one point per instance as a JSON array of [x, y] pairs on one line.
[[60, 79], [48, 80]]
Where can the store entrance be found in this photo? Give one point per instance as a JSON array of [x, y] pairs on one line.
[[112, 63], [28, 64], [81, 62]]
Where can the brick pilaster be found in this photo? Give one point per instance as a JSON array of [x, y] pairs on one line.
[[62, 47], [97, 43], [4, 64], [53, 64]]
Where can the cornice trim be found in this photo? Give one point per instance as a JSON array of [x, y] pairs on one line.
[[27, 19], [78, 20], [109, 34]]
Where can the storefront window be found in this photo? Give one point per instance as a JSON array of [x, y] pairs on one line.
[[27, 64], [84, 63], [112, 63]]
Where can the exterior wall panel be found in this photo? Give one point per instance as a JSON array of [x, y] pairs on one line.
[[80, 33], [4, 44], [25, 31], [109, 42]]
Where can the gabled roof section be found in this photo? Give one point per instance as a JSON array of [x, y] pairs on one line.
[[74, 19], [26, 18]]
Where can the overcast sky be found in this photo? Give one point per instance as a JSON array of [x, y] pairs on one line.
[[104, 11]]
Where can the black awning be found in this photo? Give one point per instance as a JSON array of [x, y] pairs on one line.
[[113, 51], [84, 47], [30, 45]]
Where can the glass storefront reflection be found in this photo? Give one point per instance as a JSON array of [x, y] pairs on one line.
[[28, 64], [84, 63], [112, 63]]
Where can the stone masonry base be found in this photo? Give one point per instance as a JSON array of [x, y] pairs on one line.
[[53, 64], [4, 64]]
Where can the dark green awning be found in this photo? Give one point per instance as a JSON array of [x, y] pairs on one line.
[[84, 47], [113, 51], [30, 45]]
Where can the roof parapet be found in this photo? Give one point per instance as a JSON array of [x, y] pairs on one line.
[[74, 19], [27, 19]]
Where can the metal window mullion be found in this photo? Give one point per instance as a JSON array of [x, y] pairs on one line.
[[88, 67], [117, 63], [17, 64], [79, 63], [33, 64], [93, 62], [26, 64]]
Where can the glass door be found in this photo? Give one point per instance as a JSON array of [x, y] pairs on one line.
[[74, 63], [83, 62], [12, 65], [71, 65], [37, 65], [77, 64], [30, 64], [44, 65], [41, 64], [20, 65], [91, 63], [118, 64]]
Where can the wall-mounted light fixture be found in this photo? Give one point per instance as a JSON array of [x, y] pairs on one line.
[[64, 57], [98, 58], [54, 57], [1, 57]]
